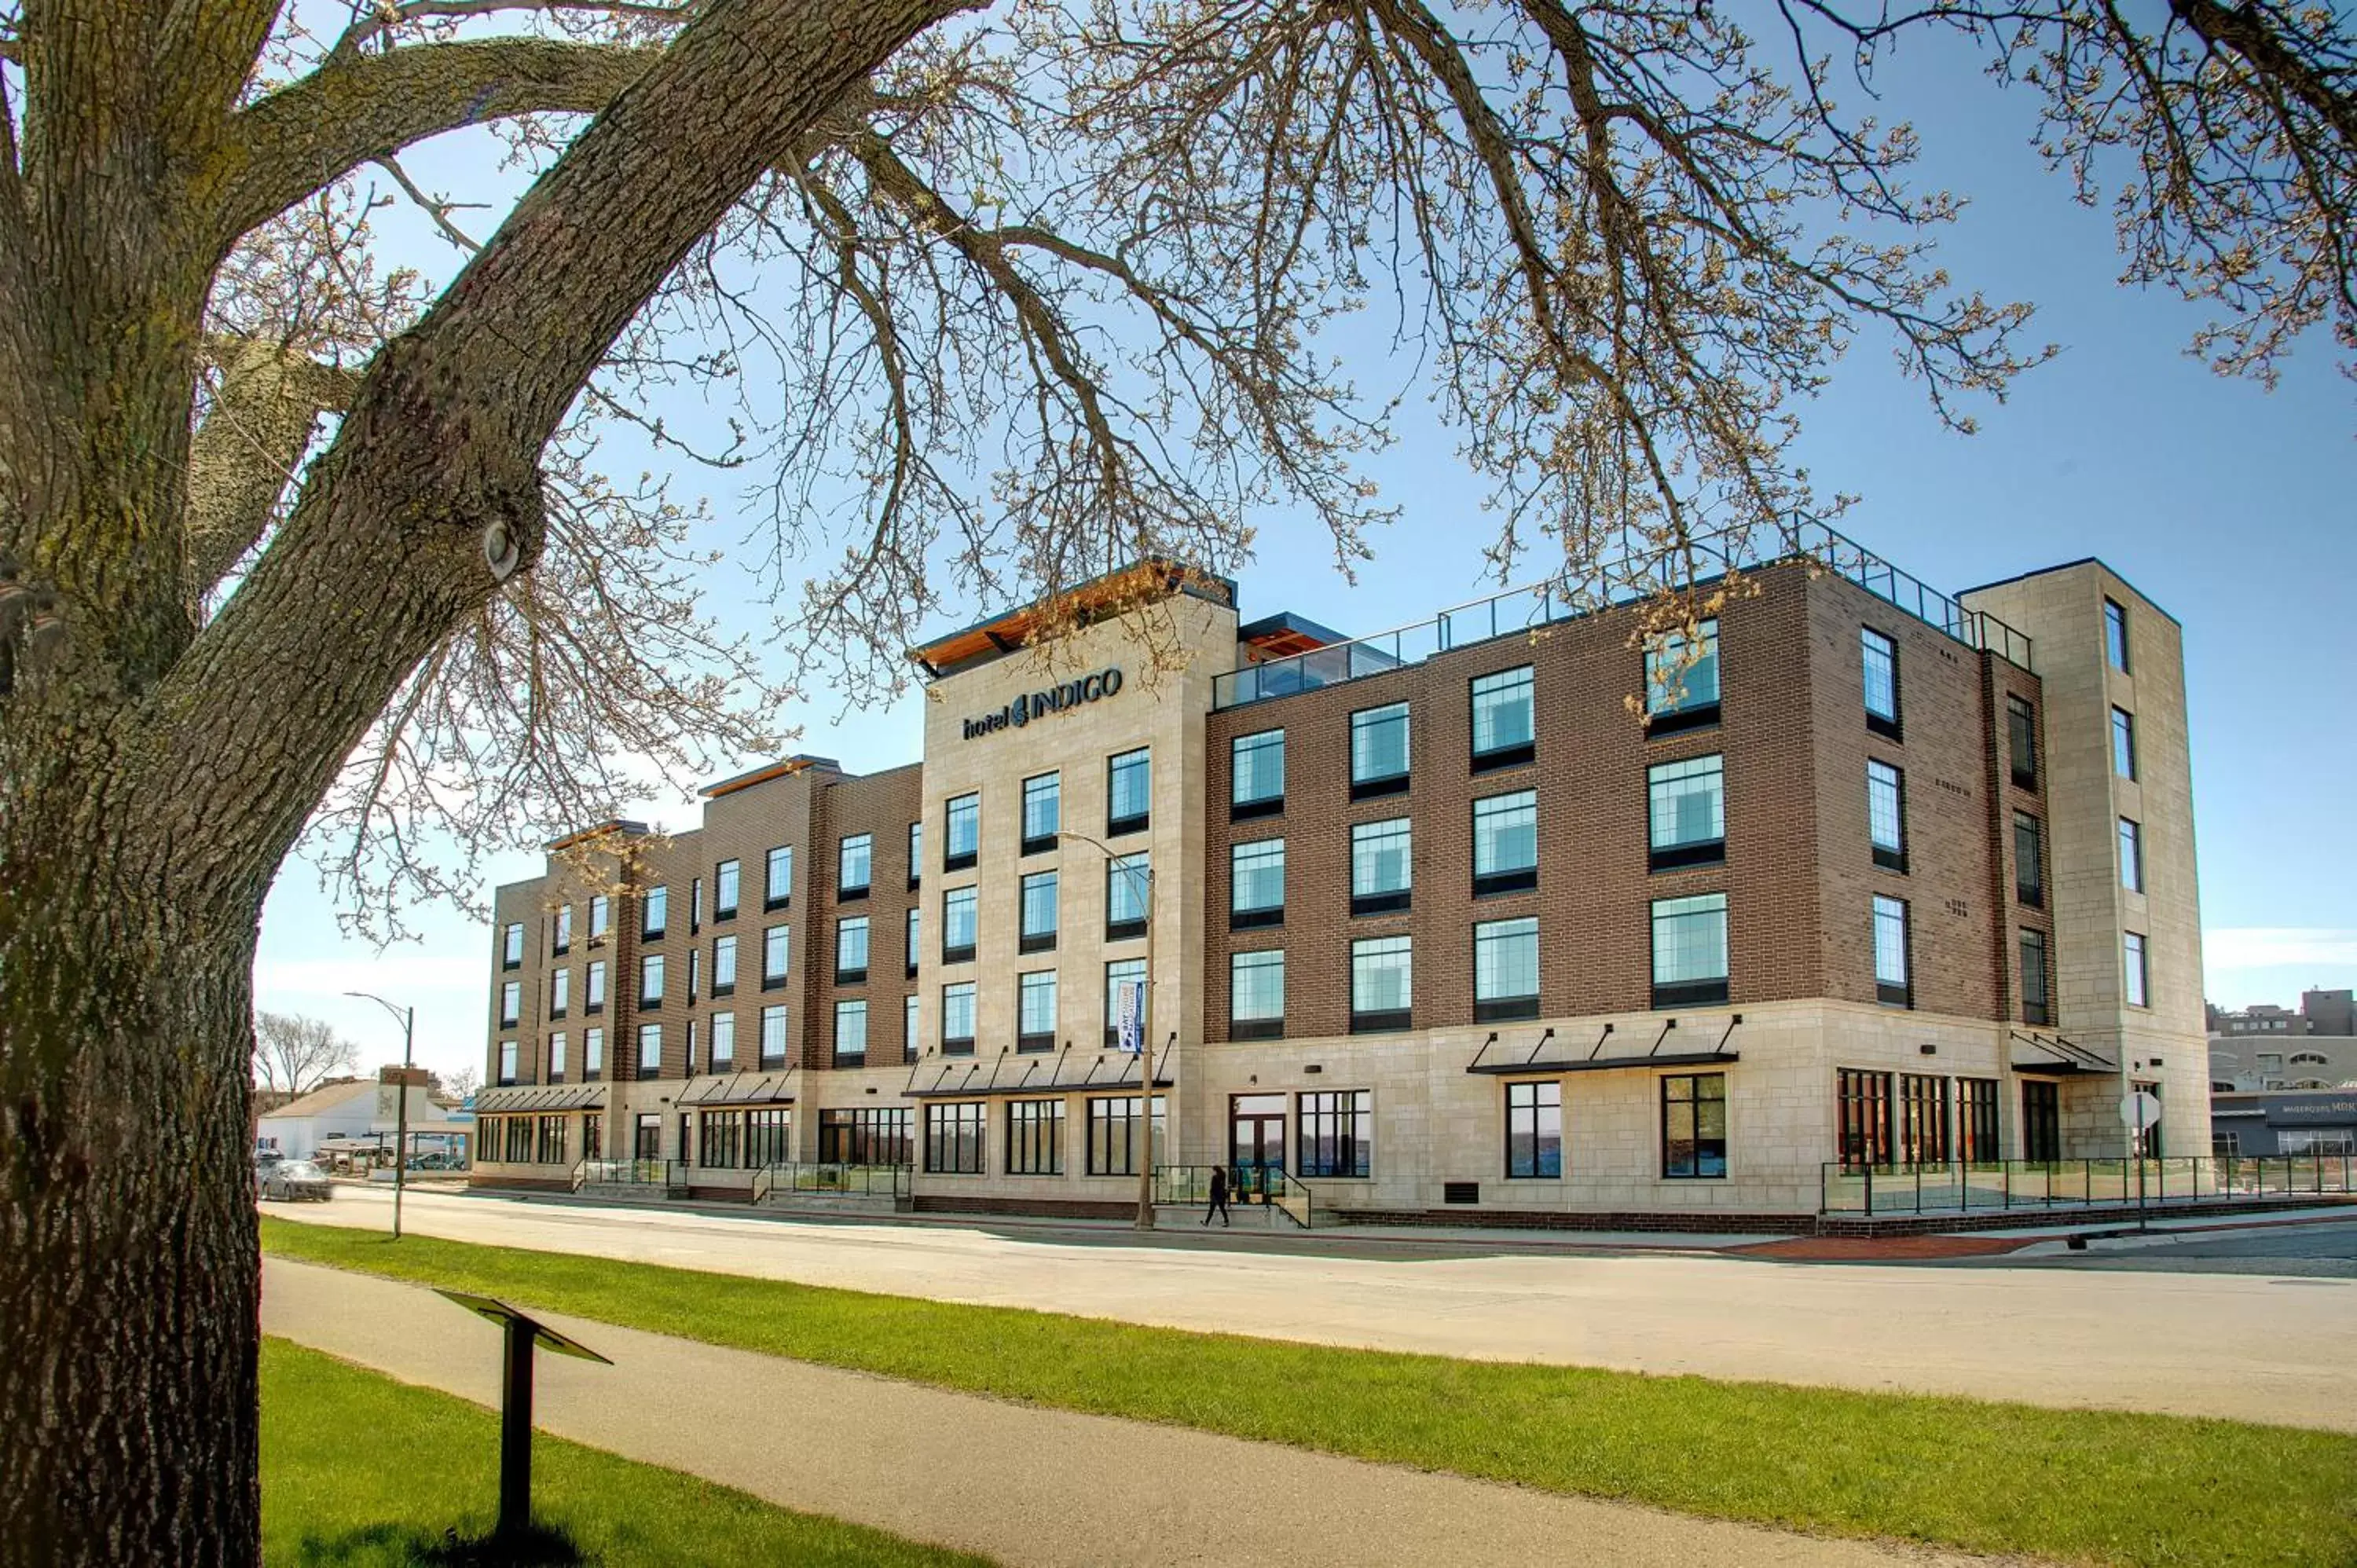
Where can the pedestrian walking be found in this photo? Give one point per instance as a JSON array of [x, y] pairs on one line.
[[1219, 1203]]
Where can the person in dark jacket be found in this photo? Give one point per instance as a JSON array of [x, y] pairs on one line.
[[1219, 1203]]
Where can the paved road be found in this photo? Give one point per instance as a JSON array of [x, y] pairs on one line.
[[2292, 1253], [1020, 1483], [2248, 1347]]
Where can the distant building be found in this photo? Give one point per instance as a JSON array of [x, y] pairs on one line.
[[2321, 1123], [358, 1108], [2320, 1013], [2244, 1065]]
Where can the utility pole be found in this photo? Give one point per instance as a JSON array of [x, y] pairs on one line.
[[1144, 1038], [408, 1016]]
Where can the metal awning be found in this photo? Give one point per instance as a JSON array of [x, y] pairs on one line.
[[2057, 1056], [1537, 1062], [739, 1089], [540, 1097], [1107, 1072]]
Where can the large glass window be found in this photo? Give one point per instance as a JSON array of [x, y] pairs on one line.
[[1035, 1137], [1113, 1133], [768, 1136], [1129, 791], [850, 1033], [1879, 659], [725, 880], [1690, 950], [1886, 815], [854, 866], [655, 913], [560, 992], [1043, 812], [957, 1018], [851, 950], [720, 1139], [2034, 1005], [724, 1040], [649, 1048], [1503, 728], [778, 877], [1257, 782], [1379, 752], [600, 910], [651, 980], [2115, 635], [2131, 856], [1687, 811], [593, 986], [916, 855], [1693, 1125], [909, 1044], [556, 1057], [1336, 1136], [1257, 995], [1922, 1119], [1382, 984], [593, 1052], [958, 925], [562, 940], [511, 1003], [2137, 969], [1534, 1129], [964, 834], [1976, 1132], [1035, 1011], [1506, 842], [512, 948], [1505, 970], [1256, 884], [777, 945], [2028, 860], [507, 1061], [909, 922], [1380, 866], [1119, 972], [869, 1136], [2021, 741], [773, 1036], [1039, 927], [2124, 752], [1128, 879], [1863, 1101], [723, 966], [1682, 677], [953, 1138], [1891, 986]]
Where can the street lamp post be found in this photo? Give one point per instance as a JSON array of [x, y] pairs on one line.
[[408, 1016], [1145, 1040]]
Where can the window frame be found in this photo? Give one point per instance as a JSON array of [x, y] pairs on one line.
[[1384, 900], [1510, 754], [720, 1042], [1382, 1020], [1888, 991], [1514, 1006], [1042, 843], [1660, 789], [2028, 859], [773, 1012], [844, 888], [774, 897], [1344, 1119], [2124, 745], [2038, 1003], [1364, 720], [1697, 1161], [956, 1134], [1256, 1025], [1118, 874], [844, 926], [959, 1044], [724, 976], [512, 946], [849, 1008], [1043, 939], [1243, 808], [969, 805], [1699, 991], [1891, 724], [1892, 855], [1508, 879], [654, 913], [2115, 635], [777, 943], [2129, 838], [1119, 823], [650, 1034], [1254, 916], [1666, 714], [2021, 740], [2136, 970], [1027, 1040], [1535, 1092], [728, 882], [1035, 1137], [969, 898]]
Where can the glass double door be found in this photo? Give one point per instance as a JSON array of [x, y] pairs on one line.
[[1256, 1144]]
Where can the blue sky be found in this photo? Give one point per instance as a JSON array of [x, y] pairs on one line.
[[2229, 505]]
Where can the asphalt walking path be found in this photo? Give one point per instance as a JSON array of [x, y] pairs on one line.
[[1018, 1483], [2253, 1348]]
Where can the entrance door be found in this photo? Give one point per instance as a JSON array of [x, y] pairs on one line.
[[648, 1149], [2041, 1119], [1255, 1143]]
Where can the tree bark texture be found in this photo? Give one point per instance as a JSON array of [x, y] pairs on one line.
[[154, 773]]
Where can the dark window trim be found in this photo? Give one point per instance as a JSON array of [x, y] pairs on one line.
[[1123, 930], [593, 1007], [1389, 1021], [1701, 852], [1889, 996], [1032, 1044], [1696, 1101], [1037, 941], [1255, 919], [916, 879], [1380, 903], [960, 862], [655, 936], [1256, 1028], [853, 895], [771, 906], [958, 1048], [773, 983], [1505, 756], [1504, 1009], [1890, 859], [1889, 728], [1117, 826], [1689, 992], [723, 988], [1488, 884], [2025, 778], [1265, 806], [1373, 789], [851, 1059], [851, 976], [957, 954], [1039, 845], [911, 966], [1702, 715]]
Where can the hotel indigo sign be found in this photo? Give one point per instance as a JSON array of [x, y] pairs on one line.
[[1055, 699]]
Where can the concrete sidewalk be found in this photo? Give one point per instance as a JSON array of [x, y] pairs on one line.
[[1018, 1483]]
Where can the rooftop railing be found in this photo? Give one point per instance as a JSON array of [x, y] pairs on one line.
[[1536, 605]]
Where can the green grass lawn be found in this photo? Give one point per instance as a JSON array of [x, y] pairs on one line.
[[2079, 1485], [360, 1469]]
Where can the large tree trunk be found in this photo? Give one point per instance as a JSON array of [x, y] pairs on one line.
[[128, 1267]]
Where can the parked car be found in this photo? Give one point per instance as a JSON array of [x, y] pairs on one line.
[[292, 1181]]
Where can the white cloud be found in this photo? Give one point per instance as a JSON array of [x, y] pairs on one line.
[[2261, 947]]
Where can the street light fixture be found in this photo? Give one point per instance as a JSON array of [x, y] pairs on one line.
[[1145, 1043], [408, 1016]]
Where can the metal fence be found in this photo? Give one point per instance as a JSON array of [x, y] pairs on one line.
[[1958, 1187], [813, 1178], [630, 1173], [1190, 1185]]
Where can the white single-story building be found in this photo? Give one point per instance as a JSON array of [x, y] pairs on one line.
[[362, 1108]]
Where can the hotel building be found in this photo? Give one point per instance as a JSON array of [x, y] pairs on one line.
[[1518, 915]]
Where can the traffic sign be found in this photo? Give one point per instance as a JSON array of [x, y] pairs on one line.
[[2140, 1110]]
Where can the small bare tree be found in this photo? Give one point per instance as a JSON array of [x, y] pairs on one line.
[[292, 1054], [463, 1082]]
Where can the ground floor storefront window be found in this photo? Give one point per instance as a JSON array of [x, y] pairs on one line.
[[1336, 1132], [1693, 1125], [1534, 1129], [770, 1136], [870, 1135], [1035, 1137], [1112, 1134], [720, 1139], [953, 1138], [1863, 1101]]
